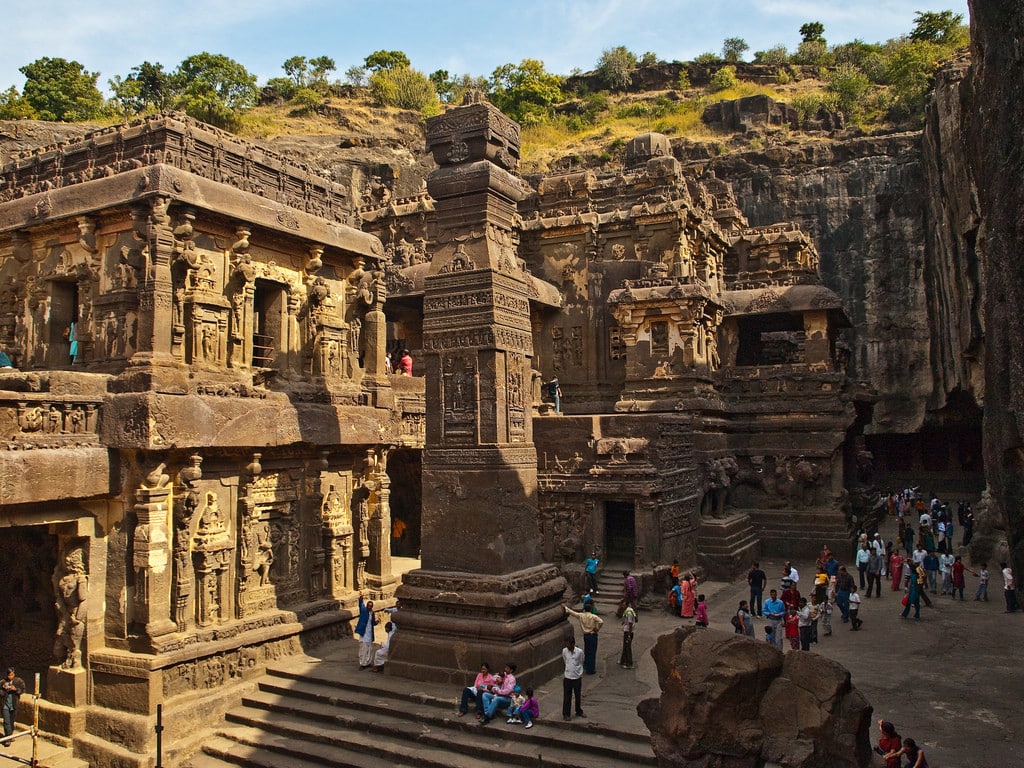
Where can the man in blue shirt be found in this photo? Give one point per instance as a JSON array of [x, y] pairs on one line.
[[591, 570], [775, 612]]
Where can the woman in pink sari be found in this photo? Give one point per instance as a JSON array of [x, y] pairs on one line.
[[896, 569], [687, 587]]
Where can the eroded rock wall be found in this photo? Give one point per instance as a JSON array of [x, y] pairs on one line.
[[995, 139]]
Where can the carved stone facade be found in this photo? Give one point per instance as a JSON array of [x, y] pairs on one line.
[[199, 409]]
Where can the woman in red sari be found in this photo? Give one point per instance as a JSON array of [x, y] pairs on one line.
[[896, 569], [687, 586]]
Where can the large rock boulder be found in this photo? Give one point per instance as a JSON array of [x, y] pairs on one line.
[[733, 702]]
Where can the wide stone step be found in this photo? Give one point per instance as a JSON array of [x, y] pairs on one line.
[[386, 695], [254, 748], [312, 731]]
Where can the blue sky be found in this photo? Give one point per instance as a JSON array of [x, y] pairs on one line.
[[462, 36]]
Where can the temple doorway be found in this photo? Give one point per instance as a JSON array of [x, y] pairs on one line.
[[619, 532], [63, 324], [405, 469], [28, 556]]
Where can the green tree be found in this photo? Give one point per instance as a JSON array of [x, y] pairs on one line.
[[147, 88], [14, 107], [405, 88], [319, 68], [442, 84], [707, 58], [849, 86], [776, 55], [812, 32], [733, 49], [812, 52], [379, 60], [215, 88], [649, 59], [297, 69], [615, 67], [525, 91], [942, 27], [724, 78], [910, 72], [356, 75], [61, 90]]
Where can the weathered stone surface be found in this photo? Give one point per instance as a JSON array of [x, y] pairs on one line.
[[995, 140], [734, 702]]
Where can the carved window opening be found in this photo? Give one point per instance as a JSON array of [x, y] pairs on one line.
[[770, 340], [616, 346], [659, 338], [64, 327], [269, 313]]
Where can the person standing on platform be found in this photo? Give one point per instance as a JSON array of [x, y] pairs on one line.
[[590, 568], [11, 690], [405, 363], [555, 393], [365, 633], [572, 678], [758, 580], [775, 613], [628, 623], [591, 624]]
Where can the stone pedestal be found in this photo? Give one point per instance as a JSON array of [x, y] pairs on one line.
[[451, 622], [728, 546], [66, 686]]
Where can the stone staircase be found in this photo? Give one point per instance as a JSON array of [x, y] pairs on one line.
[[328, 713]]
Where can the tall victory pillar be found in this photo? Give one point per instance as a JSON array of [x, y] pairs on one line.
[[482, 592]]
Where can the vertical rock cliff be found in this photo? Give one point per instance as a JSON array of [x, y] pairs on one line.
[[995, 141]]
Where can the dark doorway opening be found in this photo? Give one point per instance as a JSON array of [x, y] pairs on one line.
[[405, 469], [28, 556], [63, 324], [620, 531], [269, 310]]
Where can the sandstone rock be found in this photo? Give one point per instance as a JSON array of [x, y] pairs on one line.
[[733, 702]]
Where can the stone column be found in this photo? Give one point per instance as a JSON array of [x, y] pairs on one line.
[[378, 564], [151, 559], [483, 591], [156, 293]]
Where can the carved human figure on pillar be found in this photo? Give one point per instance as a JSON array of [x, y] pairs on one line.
[[71, 588], [184, 509], [263, 552]]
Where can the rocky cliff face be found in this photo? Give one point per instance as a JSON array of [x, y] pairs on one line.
[[953, 265], [863, 202], [995, 140]]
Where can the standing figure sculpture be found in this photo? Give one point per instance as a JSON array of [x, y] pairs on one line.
[[71, 587]]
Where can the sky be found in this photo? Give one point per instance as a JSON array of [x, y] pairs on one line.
[[462, 36]]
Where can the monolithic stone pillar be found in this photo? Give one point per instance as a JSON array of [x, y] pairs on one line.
[[483, 592], [156, 292], [377, 482]]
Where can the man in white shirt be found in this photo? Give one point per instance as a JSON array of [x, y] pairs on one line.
[[791, 573], [1009, 588], [572, 680], [946, 569]]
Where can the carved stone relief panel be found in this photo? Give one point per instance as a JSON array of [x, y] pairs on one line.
[[459, 387]]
